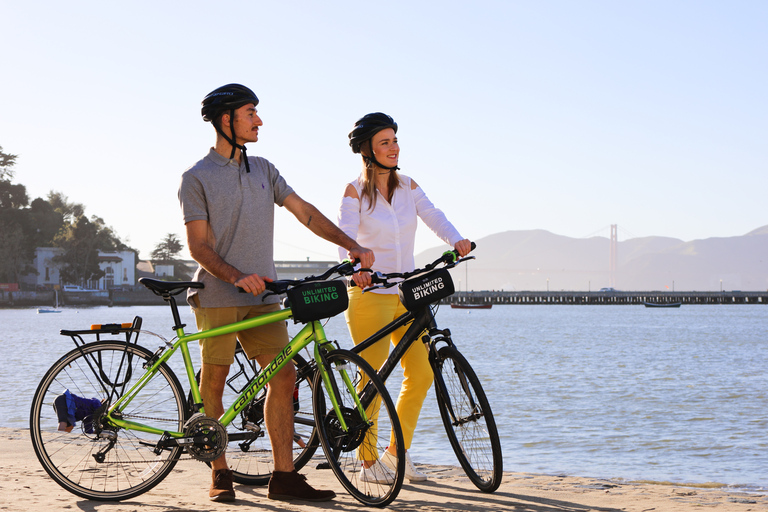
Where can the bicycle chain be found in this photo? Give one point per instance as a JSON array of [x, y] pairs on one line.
[[148, 418], [149, 461]]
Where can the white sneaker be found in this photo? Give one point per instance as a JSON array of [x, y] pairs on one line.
[[411, 473], [377, 474]]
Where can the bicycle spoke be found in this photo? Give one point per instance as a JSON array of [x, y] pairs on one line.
[[94, 460], [468, 420], [353, 438]]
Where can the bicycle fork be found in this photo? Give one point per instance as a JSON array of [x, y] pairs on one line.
[[434, 337]]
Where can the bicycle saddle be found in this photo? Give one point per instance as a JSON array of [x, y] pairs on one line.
[[159, 287]]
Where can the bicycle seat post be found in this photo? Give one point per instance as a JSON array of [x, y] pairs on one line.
[[175, 311]]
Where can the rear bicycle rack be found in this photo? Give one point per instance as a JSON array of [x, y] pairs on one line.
[[112, 385], [101, 329]]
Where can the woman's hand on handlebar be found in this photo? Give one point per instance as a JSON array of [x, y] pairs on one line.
[[253, 283], [362, 279], [463, 247]]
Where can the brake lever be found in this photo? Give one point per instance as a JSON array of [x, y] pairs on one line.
[[379, 286]]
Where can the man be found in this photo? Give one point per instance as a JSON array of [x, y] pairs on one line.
[[227, 200]]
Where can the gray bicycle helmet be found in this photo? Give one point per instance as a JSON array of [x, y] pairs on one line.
[[365, 128], [228, 98]]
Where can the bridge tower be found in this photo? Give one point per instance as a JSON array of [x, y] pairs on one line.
[[612, 257]]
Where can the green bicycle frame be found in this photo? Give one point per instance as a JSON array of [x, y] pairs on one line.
[[310, 332]]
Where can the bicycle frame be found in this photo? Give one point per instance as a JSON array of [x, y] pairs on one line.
[[423, 320], [310, 332]]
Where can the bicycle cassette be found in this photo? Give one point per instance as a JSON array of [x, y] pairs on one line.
[[209, 438]]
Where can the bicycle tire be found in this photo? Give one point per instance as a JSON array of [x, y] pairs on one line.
[[473, 434], [251, 461], [130, 467], [344, 450]]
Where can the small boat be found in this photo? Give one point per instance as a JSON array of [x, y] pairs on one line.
[[55, 305], [662, 304], [471, 306]]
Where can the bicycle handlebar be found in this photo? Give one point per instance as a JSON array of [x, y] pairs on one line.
[[280, 286], [346, 268], [449, 258]]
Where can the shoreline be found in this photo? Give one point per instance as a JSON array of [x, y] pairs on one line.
[[24, 485]]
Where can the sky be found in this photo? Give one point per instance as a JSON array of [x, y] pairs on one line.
[[513, 115]]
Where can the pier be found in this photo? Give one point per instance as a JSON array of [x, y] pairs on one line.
[[606, 298]]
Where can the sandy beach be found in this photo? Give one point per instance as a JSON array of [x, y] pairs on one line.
[[24, 485]]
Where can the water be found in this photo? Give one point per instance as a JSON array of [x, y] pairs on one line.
[[619, 392]]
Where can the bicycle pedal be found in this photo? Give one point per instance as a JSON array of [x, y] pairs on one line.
[[251, 427]]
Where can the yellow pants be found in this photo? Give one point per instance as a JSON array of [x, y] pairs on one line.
[[369, 312]]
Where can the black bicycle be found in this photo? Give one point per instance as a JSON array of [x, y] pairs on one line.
[[464, 407]]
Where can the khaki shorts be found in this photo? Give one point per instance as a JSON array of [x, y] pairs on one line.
[[266, 339]]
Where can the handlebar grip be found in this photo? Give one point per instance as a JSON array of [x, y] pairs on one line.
[[269, 285]]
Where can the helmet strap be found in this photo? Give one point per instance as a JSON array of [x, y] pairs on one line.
[[232, 142], [372, 158]]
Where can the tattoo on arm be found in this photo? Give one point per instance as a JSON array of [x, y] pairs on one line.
[[309, 221]]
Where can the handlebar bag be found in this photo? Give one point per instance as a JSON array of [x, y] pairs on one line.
[[418, 292], [317, 300]]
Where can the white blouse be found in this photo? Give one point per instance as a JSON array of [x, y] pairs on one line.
[[389, 230]]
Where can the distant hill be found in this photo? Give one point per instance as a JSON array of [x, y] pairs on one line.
[[525, 260]]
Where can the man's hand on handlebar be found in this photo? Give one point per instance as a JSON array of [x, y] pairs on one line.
[[362, 255], [252, 283]]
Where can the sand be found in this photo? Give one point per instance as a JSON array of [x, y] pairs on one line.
[[24, 485]]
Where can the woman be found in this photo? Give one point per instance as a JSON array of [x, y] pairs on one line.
[[379, 210]]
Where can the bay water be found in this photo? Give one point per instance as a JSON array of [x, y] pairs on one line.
[[616, 392]]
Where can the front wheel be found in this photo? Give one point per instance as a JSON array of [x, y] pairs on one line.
[[354, 435], [77, 445], [468, 419]]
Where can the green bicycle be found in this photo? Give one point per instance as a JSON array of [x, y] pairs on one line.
[[110, 419]]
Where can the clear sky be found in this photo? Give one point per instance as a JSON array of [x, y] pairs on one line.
[[567, 116]]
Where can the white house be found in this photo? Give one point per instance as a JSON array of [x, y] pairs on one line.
[[119, 269]]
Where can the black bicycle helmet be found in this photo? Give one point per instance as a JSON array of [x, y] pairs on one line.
[[365, 128], [228, 98]]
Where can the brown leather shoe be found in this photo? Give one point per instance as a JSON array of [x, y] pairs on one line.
[[221, 486], [290, 485]]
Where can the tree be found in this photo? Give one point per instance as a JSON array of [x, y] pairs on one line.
[[11, 242], [167, 250], [7, 161], [44, 224], [13, 197], [69, 211], [56, 222], [166, 253], [80, 261]]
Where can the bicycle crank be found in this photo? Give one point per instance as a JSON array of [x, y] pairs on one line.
[[204, 438], [346, 440]]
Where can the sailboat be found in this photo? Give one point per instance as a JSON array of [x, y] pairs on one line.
[[55, 304]]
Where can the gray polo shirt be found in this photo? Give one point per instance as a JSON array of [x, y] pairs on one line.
[[239, 208]]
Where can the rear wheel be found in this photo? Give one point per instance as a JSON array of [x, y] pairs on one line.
[[77, 445], [355, 438], [468, 420]]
